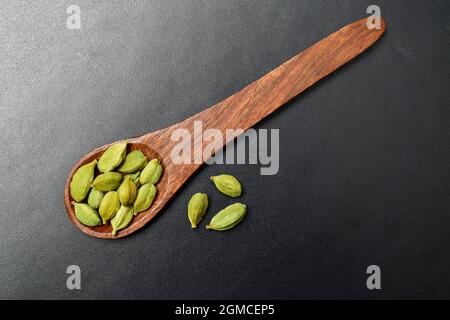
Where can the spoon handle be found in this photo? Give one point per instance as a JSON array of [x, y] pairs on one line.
[[260, 98]]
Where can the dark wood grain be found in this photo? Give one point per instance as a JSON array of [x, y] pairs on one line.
[[241, 110]]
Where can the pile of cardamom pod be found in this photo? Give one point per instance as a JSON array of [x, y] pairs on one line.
[[114, 196], [226, 218]]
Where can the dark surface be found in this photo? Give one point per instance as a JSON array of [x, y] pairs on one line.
[[364, 155]]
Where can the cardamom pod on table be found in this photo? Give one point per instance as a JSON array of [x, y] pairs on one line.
[[197, 207], [228, 218], [228, 185]]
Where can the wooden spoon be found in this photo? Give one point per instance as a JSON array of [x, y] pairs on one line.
[[241, 110]]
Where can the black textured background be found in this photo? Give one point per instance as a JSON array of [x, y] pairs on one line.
[[364, 156]]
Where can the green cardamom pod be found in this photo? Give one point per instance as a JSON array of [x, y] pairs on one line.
[[127, 191], [134, 161], [144, 198], [107, 181], [228, 185], [228, 218], [86, 215], [135, 178], [81, 181], [95, 197], [197, 207], [151, 173], [112, 157], [122, 219], [109, 206]]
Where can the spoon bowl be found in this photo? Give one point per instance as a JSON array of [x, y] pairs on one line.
[[104, 231]]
